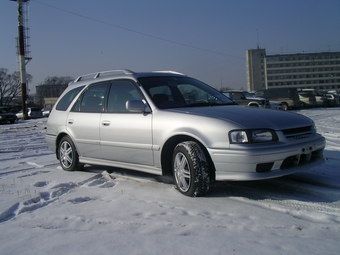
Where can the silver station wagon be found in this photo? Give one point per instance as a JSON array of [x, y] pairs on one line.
[[167, 123]]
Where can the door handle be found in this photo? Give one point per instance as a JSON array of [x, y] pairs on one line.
[[70, 121], [106, 123]]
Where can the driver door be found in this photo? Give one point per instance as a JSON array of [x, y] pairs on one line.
[[125, 136]]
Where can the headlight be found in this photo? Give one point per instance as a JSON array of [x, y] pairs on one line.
[[252, 136], [259, 136], [238, 137]]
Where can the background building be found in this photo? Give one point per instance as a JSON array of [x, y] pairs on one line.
[[256, 76], [302, 70], [48, 91]]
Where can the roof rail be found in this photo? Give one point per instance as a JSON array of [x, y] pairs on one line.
[[169, 71], [101, 74]]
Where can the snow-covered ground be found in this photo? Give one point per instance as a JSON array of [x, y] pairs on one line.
[[45, 210]]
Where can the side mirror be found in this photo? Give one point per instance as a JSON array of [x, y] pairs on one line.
[[137, 106]]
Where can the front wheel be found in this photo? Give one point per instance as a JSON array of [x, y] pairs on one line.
[[190, 169], [68, 156]]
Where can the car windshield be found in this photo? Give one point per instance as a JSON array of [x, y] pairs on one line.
[[173, 92], [247, 95], [318, 93]]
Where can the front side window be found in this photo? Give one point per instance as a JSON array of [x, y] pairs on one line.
[[120, 92]]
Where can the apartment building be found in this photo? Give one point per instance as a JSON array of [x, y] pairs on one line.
[[302, 70]]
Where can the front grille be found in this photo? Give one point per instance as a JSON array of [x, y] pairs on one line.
[[300, 159], [298, 133]]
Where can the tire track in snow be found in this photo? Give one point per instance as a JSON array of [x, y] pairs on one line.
[[52, 193]]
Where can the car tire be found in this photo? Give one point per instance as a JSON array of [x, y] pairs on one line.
[[190, 169], [68, 155], [285, 106]]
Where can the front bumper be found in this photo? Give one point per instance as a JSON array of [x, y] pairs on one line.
[[267, 162]]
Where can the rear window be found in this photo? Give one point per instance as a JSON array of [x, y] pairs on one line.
[[67, 99]]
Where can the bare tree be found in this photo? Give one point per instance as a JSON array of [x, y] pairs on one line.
[[57, 80], [10, 86]]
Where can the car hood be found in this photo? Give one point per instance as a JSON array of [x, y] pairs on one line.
[[250, 117]]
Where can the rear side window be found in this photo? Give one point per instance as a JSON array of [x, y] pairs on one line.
[[66, 100]]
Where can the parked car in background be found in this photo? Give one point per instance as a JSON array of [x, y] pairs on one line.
[[45, 112], [275, 105], [319, 97], [32, 113], [7, 117], [245, 98], [167, 123], [332, 100], [308, 99], [288, 97], [48, 107], [333, 92]]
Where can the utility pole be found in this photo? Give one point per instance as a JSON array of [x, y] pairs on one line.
[[21, 51]]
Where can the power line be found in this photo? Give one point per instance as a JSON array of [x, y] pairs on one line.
[[137, 32]]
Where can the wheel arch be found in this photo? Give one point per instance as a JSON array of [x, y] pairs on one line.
[[253, 104], [58, 139], [285, 105], [167, 153]]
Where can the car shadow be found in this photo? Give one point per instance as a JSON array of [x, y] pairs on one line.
[[293, 187]]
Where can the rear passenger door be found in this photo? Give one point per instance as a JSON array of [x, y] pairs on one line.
[[83, 122], [125, 136]]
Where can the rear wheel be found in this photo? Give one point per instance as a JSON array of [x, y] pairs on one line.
[[68, 156], [284, 106], [190, 169]]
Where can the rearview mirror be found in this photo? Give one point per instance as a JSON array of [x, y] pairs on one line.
[[137, 106]]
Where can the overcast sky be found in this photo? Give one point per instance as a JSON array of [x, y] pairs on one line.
[[206, 39]]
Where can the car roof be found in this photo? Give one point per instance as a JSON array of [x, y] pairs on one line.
[[119, 74]]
